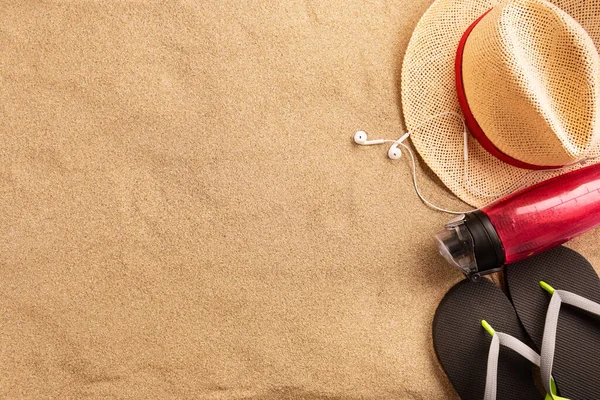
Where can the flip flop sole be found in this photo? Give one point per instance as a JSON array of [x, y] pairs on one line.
[[462, 345], [577, 355]]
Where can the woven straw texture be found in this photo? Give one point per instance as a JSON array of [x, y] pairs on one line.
[[531, 73]]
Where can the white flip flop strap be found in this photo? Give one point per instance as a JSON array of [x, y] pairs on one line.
[[512, 343], [549, 341]]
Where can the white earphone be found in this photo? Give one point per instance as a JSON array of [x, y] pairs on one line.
[[360, 137], [394, 152]]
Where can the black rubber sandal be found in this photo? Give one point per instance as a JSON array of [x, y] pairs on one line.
[[573, 331], [467, 352]]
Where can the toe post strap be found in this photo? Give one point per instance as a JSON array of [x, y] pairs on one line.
[[551, 325]]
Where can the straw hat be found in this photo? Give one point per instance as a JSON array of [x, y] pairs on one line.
[[524, 74]]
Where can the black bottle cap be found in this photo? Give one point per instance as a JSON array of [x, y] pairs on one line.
[[489, 252]]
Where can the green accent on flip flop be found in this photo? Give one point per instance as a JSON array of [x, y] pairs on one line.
[[547, 287], [488, 327], [554, 396]]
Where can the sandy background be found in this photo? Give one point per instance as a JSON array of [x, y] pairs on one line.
[[184, 214]]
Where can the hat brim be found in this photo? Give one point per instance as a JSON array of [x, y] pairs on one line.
[[429, 89]]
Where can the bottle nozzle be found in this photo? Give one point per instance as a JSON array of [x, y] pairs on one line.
[[471, 244], [455, 244]]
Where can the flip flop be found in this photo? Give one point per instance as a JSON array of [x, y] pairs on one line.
[[469, 350], [568, 336]]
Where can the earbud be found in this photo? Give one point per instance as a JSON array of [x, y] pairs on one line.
[[360, 137], [394, 152]]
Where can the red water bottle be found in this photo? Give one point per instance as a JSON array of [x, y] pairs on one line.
[[524, 223]]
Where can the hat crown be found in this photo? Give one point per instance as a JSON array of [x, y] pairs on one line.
[[531, 76]]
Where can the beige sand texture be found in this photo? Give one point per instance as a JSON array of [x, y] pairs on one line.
[[183, 214]]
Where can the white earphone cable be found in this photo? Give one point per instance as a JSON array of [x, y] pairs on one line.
[[515, 186], [423, 199]]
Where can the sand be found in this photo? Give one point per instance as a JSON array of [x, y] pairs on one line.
[[184, 214]]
